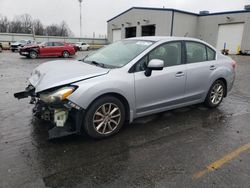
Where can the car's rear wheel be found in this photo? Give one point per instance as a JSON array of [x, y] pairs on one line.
[[65, 54], [215, 94], [104, 118], [33, 54]]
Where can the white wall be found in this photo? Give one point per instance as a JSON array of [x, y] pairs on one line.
[[11, 37]]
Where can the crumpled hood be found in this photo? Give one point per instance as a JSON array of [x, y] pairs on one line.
[[57, 73], [27, 46], [15, 43]]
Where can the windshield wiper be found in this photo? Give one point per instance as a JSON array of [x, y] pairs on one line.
[[97, 64]]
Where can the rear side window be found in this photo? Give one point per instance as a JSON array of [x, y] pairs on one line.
[[58, 44], [210, 54], [196, 52]]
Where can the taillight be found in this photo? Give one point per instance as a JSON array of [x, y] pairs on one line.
[[234, 64]]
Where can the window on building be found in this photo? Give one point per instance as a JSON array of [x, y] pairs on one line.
[[130, 32], [148, 30]]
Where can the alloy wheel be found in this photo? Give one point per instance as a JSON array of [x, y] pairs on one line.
[[33, 55], [106, 118], [216, 94]]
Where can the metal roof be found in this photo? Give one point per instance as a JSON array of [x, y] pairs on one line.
[[180, 11]]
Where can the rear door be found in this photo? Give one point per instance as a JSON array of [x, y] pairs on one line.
[[58, 48], [201, 63], [163, 89]]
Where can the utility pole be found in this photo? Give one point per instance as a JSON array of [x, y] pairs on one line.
[[80, 3]]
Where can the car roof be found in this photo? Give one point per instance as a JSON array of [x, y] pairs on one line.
[[164, 38]]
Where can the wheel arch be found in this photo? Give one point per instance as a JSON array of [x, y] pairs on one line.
[[225, 83], [121, 98], [65, 50]]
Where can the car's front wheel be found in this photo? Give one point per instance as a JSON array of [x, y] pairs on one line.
[[215, 94], [65, 54], [104, 118], [33, 54]]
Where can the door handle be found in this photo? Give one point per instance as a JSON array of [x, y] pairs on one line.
[[212, 67], [179, 74]]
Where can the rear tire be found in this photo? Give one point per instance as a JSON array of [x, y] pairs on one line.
[[104, 118], [215, 94], [65, 54], [33, 54]]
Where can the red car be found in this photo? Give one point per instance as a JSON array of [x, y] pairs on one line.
[[48, 49]]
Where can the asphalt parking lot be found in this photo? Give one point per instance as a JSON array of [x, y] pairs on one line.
[[187, 147]]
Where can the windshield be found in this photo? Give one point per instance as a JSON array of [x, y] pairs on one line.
[[42, 44], [22, 41], [119, 53]]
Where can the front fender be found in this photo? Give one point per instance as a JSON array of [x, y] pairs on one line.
[[91, 89]]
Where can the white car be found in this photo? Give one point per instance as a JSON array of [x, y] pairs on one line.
[[82, 46]]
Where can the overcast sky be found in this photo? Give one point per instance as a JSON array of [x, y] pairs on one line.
[[97, 12]]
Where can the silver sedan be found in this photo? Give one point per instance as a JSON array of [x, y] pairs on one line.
[[126, 80]]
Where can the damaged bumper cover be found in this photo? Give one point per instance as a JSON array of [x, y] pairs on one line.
[[65, 116]]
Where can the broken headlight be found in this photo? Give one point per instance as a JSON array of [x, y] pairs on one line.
[[57, 95]]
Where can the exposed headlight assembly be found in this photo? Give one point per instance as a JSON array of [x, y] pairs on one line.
[[57, 95]]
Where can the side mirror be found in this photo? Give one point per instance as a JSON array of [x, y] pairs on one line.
[[154, 64]]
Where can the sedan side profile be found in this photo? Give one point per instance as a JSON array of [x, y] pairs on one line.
[[128, 79], [48, 49]]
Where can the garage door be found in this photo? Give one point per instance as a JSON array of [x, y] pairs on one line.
[[231, 35], [117, 34]]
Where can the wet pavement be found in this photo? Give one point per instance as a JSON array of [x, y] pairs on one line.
[[163, 150]]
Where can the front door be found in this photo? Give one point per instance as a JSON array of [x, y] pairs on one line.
[[163, 89], [47, 49]]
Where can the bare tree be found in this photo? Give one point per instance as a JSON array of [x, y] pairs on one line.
[[64, 29], [38, 27], [4, 24], [26, 21], [24, 24], [15, 26]]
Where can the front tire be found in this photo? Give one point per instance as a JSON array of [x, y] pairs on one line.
[[215, 94], [33, 54], [104, 118]]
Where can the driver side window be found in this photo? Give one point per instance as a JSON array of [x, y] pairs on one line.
[[170, 53], [49, 44]]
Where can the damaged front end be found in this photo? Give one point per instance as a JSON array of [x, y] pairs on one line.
[[52, 105]]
